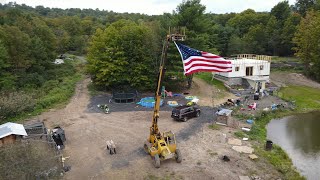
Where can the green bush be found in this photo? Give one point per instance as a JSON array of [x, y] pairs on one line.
[[15, 103]]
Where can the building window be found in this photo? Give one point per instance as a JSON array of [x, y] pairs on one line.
[[237, 68], [261, 67]]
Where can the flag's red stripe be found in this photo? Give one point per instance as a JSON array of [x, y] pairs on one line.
[[211, 56], [207, 65], [204, 70], [207, 60]]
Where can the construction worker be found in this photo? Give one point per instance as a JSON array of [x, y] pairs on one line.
[[104, 107]]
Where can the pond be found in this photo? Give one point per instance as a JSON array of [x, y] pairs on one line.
[[299, 136]]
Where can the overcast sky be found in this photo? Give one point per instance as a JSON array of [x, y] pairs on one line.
[[154, 6]]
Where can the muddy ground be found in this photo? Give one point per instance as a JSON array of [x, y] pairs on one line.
[[285, 79], [87, 130]]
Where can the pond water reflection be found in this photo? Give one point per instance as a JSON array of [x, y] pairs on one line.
[[299, 136]]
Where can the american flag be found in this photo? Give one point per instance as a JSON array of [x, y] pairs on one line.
[[199, 61]]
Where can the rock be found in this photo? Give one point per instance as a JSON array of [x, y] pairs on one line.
[[243, 149], [233, 141], [253, 156], [244, 178]]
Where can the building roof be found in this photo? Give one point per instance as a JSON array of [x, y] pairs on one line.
[[224, 112], [9, 128]]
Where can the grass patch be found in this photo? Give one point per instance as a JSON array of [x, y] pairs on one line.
[[306, 98], [212, 154], [214, 127], [53, 93], [57, 97], [207, 77], [240, 134], [277, 157], [285, 59]]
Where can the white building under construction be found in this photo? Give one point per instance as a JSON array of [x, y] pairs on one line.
[[247, 69]]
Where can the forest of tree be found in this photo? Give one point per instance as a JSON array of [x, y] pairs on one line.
[[120, 45]]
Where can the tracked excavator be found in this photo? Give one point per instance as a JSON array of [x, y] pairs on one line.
[[162, 146]]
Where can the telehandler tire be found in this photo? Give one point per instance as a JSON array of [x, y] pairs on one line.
[[156, 162], [178, 156], [146, 149]]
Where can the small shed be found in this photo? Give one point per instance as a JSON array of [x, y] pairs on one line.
[[223, 115], [10, 132], [224, 118]]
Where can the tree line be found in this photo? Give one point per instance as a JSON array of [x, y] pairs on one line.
[[125, 48]]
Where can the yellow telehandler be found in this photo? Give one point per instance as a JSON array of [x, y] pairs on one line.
[[163, 146]]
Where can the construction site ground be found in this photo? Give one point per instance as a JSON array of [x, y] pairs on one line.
[[87, 130]]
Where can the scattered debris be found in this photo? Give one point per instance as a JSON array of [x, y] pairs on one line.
[[224, 138], [253, 106], [253, 156], [233, 141], [246, 129], [250, 121], [245, 139], [269, 145], [243, 149], [173, 103], [191, 97], [59, 137], [58, 61], [266, 109], [104, 107], [258, 178], [225, 158], [65, 167], [111, 147]]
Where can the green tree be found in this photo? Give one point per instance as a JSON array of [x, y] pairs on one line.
[[288, 31], [307, 41], [121, 56], [281, 11], [302, 6], [236, 45], [190, 14], [18, 44], [243, 21], [7, 80], [256, 40]]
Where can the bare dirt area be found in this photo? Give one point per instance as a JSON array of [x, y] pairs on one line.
[[287, 78], [87, 130], [205, 93]]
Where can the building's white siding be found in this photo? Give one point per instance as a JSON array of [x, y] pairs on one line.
[[243, 63]]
